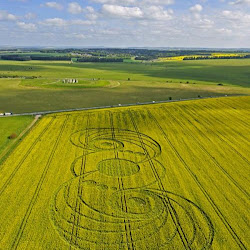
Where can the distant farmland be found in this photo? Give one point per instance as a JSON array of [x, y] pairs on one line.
[[163, 176], [39, 85]]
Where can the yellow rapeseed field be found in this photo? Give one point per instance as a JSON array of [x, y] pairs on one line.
[[227, 54], [162, 176], [212, 56], [173, 58]]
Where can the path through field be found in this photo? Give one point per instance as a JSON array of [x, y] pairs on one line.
[[8, 148]]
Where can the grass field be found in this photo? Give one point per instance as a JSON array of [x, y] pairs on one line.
[[148, 82], [9, 125], [163, 176]]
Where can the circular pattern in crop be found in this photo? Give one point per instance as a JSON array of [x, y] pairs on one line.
[[136, 176], [110, 202], [118, 167], [134, 146], [107, 144], [102, 217]]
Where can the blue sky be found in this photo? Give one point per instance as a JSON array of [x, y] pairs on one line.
[[126, 23]]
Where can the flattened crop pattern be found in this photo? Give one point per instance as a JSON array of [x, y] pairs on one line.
[[163, 176]]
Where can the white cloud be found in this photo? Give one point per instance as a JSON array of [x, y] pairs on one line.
[[135, 2], [80, 22], [123, 12], [227, 13], [90, 13], [238, 17], [205, 24], [59, 22], [240, 2], [75, 8], [158, 2], [76, 35], [124, 2], [5, 16], [54, 22], [224, 31], [158, 13], [90, 9], [196, 11], [30, 15], [27, 26], [53, 5], [196, 8]]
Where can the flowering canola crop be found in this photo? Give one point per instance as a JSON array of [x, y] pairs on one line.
[[162, 176]]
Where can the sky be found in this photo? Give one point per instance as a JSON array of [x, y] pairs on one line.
[[126, 23]]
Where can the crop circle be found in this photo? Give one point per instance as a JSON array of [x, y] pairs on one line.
[[118, 167]]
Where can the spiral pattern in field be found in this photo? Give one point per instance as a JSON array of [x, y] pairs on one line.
[[122, 203]]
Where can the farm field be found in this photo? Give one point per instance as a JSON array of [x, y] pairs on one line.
[[10, 125], [163, 176], [147, 82], [212, 56]]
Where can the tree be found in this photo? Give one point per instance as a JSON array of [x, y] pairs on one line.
[[12, 136]]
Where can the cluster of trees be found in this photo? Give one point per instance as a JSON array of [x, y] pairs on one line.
[[51, 58], [9, 76], [97, 59], [35, 57], [15, 58], [17, 76], [215, 57]]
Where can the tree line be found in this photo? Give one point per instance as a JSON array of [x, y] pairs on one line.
[[59, 58], [35, 57], [215, 57]]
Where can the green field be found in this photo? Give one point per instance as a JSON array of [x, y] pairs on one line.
[[9, 125], [163, 176], [148, 82]]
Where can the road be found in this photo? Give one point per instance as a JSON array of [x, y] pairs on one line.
[[112, 106]]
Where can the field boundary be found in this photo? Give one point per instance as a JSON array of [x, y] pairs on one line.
[[15, 142], [119, 105], [24, 158]]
